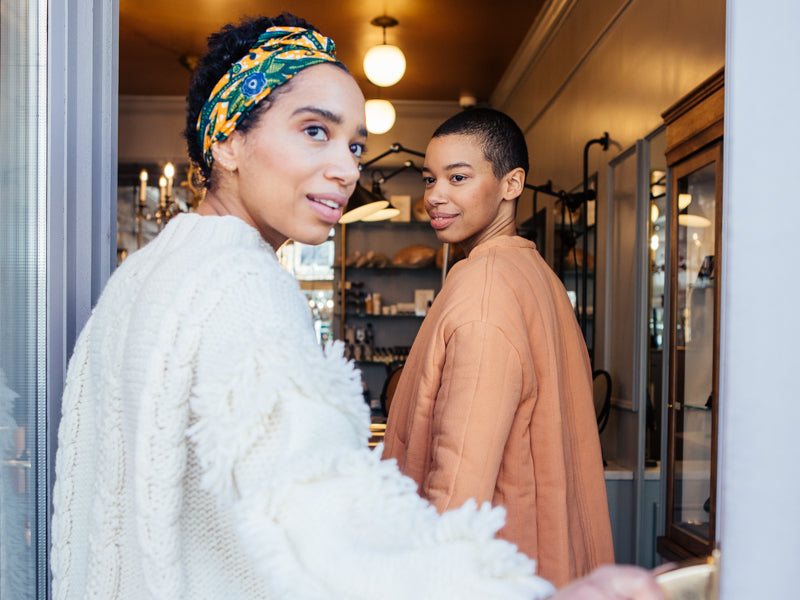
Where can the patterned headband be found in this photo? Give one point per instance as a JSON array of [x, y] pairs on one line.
[[279, 54]]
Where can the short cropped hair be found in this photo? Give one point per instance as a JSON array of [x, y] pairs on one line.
[[501, 139]]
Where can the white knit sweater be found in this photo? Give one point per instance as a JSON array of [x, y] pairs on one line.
[[209, 448]]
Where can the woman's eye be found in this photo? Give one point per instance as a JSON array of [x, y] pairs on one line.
[[316, 132], [428, 180], [357, 149], [458, 178]]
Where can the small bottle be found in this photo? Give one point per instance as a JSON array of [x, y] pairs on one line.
[[369, 340], [365, 392], [376, 303]]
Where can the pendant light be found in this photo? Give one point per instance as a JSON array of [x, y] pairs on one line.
[[384, 64], [380, 116]]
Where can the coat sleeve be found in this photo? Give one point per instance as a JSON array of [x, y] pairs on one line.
[[281, 436], [478, 397]]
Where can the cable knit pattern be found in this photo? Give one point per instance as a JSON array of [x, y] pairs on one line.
[[210, 448]]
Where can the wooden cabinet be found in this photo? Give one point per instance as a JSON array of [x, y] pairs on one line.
[[694, 129]]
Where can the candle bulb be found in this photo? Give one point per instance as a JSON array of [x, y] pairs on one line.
[[162, 187], [143, 187], [169, 173]]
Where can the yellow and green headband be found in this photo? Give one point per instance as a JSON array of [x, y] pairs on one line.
[[279, 54]]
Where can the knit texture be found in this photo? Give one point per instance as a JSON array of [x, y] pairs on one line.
[[209, 448]]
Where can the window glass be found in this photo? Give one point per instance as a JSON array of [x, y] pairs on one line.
[[21, 298]]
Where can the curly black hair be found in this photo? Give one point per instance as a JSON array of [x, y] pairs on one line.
[[226, 47]]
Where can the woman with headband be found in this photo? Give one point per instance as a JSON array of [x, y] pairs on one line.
[[209, 448]]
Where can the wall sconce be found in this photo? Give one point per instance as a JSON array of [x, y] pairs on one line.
[[384, 214], [693, 220], [380, 116], [654, 214], [389, 212], [686, 219], [362, 203], [384, 64], [658, 184]]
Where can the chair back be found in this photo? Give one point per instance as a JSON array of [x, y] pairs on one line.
[[601, 387]]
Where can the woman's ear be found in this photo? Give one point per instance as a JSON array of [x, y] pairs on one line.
[[514, 183], [224, 153]]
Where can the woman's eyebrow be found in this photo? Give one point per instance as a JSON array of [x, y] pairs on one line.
[[458, 165], [327, 115], [450, 167], [321, 112]]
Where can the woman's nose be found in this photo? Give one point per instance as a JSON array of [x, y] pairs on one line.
[[344, 167], [433, 196]]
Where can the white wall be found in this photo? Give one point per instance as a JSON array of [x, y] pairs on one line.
[[416, 122], [151, 129], [591, 66], [607, 65], [759, 487], [587, 67]]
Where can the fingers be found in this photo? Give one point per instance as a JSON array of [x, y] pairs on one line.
[[613, 582], [635, 583]]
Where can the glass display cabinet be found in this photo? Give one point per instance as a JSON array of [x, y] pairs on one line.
[[694, 160]]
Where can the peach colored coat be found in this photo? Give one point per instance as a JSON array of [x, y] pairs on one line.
[[495, 403]]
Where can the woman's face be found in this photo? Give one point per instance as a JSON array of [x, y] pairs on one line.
[[467, 203], [296, 168]]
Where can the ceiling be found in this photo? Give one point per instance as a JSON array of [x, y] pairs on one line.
[[451, 46]]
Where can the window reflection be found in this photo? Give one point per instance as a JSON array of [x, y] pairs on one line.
[[21, 287], [695, 350], [656, 316], [312, 266]]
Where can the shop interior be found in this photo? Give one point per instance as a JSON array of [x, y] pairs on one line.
[[622, 106]]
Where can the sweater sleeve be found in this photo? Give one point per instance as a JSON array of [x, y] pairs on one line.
[[280, 433], [474, 410]]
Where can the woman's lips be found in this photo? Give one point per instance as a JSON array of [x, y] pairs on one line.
[[328, 208], [441, 221]]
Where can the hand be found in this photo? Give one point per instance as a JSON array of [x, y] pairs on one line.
[[612, 582]]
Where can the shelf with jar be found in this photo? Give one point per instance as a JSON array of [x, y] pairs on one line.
[[388, 269], [386, 277]]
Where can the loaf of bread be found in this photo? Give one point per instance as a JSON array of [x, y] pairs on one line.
[[363, 260], [353, 259], [420, 214], [372, 259], [416, 256]]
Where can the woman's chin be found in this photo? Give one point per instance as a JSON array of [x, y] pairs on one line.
[[313, 238]]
